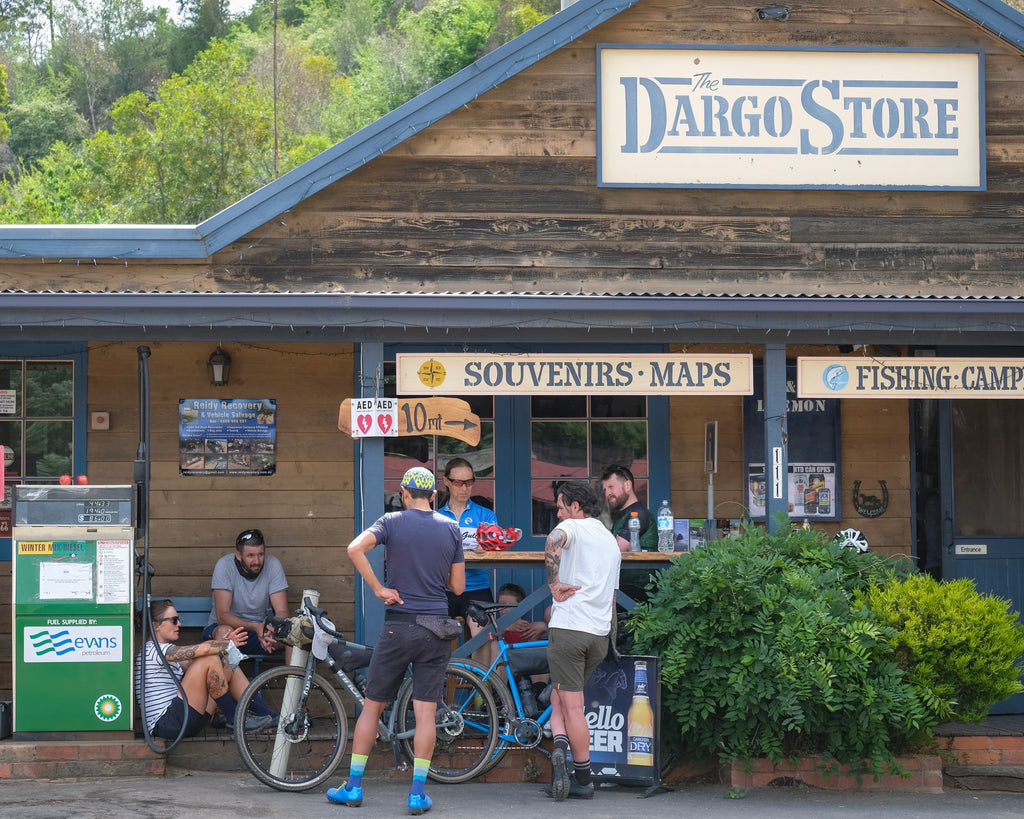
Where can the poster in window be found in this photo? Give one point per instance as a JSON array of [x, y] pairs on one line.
[[227, 436], [813, 480]]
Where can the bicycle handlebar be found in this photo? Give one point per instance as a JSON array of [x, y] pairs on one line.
[[319, 614]]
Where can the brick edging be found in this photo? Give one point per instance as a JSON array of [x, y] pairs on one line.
[[924, 773], [983, 750]]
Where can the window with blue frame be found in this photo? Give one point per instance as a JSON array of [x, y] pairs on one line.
[[574, 437], [40, 397]]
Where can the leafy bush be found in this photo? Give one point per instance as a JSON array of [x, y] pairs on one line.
[[961, 649], [763, 652]]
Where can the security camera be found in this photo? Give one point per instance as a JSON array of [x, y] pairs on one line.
[[780, 13]]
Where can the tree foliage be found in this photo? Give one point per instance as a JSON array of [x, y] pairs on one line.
[[961, 649], [183, 116], [39, 123], [199, 144], [5, 100]]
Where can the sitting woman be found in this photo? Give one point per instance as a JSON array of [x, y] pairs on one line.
[[204, 672]]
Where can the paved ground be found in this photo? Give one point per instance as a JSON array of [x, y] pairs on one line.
[[231, 794]]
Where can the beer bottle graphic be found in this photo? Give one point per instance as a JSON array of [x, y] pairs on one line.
[[640, 720]]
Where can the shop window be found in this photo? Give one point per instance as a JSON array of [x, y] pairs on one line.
[[988, 444], [37, 408], [575, 438], [434, 451]]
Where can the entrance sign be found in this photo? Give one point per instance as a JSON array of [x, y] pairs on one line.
[[450, 417], [675, 116], [851, 377], [574, 374]]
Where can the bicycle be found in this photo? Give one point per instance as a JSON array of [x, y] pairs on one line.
[[303, 745], [520, 726]]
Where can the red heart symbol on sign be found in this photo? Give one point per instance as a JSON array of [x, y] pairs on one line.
[[364, 422], [384, 422]]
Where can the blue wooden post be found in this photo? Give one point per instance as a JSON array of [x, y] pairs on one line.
[[369, 483], [776, 455]]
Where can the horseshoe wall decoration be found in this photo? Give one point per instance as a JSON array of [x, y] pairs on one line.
[[870, 506]]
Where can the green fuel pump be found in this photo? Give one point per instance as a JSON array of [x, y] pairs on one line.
[[73, 561]]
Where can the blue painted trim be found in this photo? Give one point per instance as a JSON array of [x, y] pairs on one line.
[[369, 468], [997, 17]]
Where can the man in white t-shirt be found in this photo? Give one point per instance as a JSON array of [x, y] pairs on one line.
[[248, 587], [582, 559]]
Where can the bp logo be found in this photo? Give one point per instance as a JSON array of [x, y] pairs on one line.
[[836, 377], [108, 708]]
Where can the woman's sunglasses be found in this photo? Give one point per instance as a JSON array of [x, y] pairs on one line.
[[176, 620]]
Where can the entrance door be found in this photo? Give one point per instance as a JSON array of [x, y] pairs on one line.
[[983, 501]]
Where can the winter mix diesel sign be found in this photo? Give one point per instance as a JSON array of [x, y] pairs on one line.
[[525, 374], [675, 116]]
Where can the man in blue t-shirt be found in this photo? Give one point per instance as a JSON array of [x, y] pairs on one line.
[[423, 557]]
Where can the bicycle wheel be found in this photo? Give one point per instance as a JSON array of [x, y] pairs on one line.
[[301, 748], [466, 725]]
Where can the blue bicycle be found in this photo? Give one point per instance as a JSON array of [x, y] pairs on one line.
[[522, 714]]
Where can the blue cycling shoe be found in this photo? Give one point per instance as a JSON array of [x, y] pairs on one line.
[[419, 803], [352, 797]]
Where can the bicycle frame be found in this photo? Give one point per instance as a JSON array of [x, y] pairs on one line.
[[385, 728], [489, 675]]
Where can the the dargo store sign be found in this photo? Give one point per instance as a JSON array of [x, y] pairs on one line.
[[515, 374], [707, 117]]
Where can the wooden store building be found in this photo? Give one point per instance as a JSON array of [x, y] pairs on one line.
[[770, 258]]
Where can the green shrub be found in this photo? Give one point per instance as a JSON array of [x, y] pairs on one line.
[[764, 654], [961, 649]]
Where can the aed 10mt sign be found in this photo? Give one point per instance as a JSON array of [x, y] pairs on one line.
[[730, 117]]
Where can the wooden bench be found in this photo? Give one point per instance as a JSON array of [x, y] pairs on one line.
[[194, 612]]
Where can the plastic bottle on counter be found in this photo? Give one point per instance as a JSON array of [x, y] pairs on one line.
[[666, 529], [634, 532]]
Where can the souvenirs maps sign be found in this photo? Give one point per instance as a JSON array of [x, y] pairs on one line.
[[574, 374]]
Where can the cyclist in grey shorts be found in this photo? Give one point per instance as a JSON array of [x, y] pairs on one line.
[[422, 558]]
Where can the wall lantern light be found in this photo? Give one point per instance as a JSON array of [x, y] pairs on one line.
[[777, 13], [219, 365]]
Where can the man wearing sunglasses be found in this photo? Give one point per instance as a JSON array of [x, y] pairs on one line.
[[248, 587]]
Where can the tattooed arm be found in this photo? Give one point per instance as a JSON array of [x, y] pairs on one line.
[[552, 562], [184, 655]]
